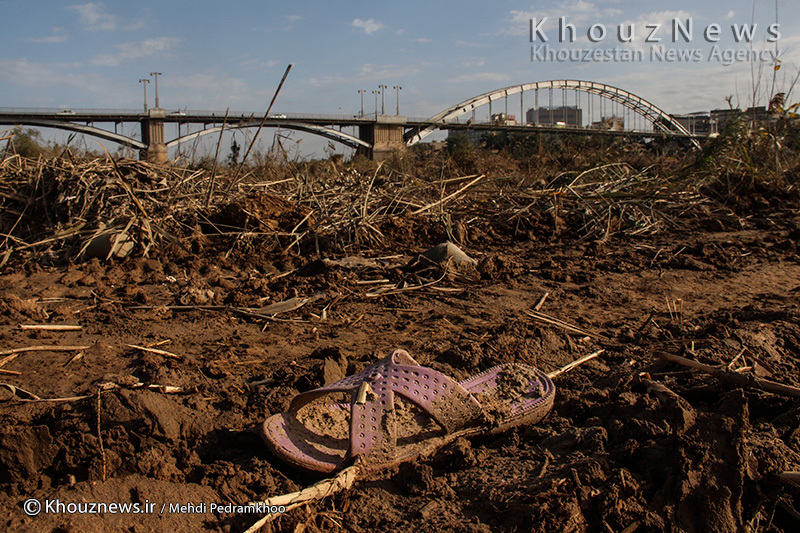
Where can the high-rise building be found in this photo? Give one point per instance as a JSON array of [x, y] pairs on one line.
[[570, 116], [695, 123], [721, 117]]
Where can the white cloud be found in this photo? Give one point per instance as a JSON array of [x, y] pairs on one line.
[[258, 64], [368, 26], [57, 36], [136, 25], [133, 51], [386, 72], [29, 74], [471, 44], [33, 75], [291, 19], [423, 40], [370, 73], [482, 76], [473, 62], [200, 89], [577, 12], [93, 17]]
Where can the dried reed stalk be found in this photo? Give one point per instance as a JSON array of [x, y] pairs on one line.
[[342, 481], [734, 378]]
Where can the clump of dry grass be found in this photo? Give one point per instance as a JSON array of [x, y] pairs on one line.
[[752, 164], [59, 207], [69, 208]]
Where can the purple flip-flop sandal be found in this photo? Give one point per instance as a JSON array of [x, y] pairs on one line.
[[325, 437]]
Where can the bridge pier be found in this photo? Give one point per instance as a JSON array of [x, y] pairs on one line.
[[385, 137], [153, 137]]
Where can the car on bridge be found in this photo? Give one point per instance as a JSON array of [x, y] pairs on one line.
[[278, 115]]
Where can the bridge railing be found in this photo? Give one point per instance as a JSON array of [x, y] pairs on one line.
[[57, 110]]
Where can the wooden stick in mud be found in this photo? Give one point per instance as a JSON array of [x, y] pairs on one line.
[[573, 364], [734, 378], [547, 319], [260, 127], [13, 353], [27, 396], [216, 157], [446, 198], [539, 305], [156, 351], [50, 327], [100, 436], [342, 481]]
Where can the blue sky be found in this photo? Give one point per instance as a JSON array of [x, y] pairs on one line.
[[218, 55]]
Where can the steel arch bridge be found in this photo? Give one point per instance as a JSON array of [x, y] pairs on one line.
[[329, 133], [81, 128], [376, 136], [661, 120], [326, 132]]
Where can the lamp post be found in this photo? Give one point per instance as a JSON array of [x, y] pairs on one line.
[[383, 99], [144, 82], [156, 75], [398, 88], [361, 92], [376, 103]]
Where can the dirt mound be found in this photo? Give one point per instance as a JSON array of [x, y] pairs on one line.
[[263, 212]]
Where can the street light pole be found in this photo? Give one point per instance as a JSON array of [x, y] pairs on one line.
[[376, 103], [156, 75], [383, 99], [144, 82], [361, 92], [397, 88]]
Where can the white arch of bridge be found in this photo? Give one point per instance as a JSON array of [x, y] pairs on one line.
[[328, 133], [89, 130], [660, 119]]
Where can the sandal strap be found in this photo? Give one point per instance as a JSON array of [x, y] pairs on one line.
[[372, 419]]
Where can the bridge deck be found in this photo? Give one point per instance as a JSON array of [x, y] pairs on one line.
[[20, 115], [11, 116]]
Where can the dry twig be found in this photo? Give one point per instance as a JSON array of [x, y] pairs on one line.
[[547, 319], [573, 364], [156, 351], [342, 481], [50, 327], [734, 378]]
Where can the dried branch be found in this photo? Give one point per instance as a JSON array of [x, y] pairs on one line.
[[342, 481], [734, 378]]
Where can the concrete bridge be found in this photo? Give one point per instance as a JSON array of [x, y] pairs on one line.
[[379, 135]]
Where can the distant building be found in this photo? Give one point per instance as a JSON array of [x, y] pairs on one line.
[[501, 119], [695, 123], [720, 118], [569, 116], [609, 124]]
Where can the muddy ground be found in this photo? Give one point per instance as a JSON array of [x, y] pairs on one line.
[[614, 455]]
